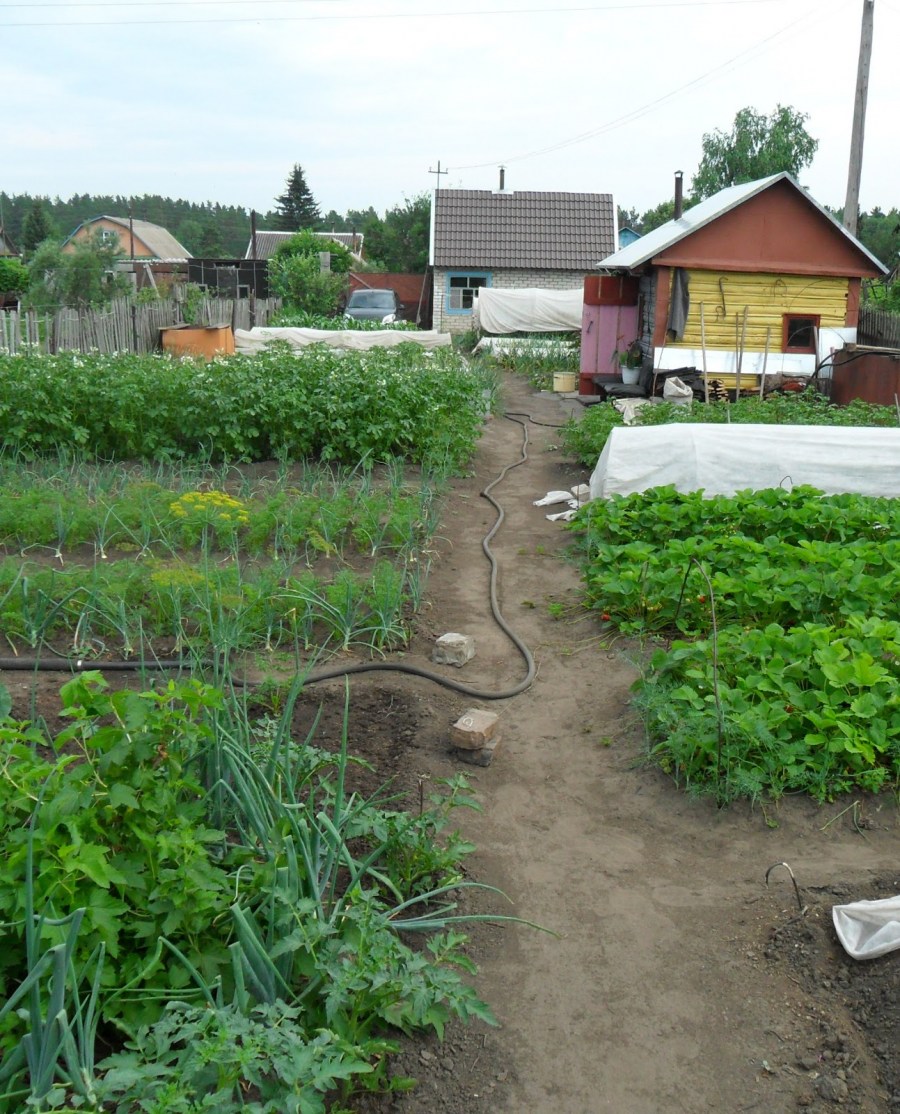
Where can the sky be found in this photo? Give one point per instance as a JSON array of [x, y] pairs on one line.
[[216, 100]]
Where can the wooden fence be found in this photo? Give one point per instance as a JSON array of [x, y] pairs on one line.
[[125, 325], [878, 328]]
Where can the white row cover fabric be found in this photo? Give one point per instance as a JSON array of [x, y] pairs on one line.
[[868, 929], [723, 459], [360, 340], [527, 311]]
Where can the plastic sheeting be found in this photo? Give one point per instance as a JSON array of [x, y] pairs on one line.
[[723, 459], [528, 311], [359, 340], [868, 929]]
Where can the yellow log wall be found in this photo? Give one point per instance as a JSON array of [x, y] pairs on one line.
[[768, 297]]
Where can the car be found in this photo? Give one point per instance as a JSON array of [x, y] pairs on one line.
[[373, 305]]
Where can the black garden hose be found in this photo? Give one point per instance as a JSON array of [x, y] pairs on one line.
[[80, 665]]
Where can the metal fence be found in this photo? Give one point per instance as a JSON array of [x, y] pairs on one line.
[[879, 328], [125, 325]]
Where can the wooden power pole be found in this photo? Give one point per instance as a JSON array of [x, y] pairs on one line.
[[851, 205]]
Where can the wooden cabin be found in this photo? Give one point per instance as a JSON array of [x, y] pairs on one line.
[[758, 279]]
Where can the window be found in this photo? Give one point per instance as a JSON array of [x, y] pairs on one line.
[[462, 287], [109, 236], [799, 332]]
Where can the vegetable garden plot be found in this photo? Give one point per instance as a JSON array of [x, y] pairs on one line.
[[791, 682]]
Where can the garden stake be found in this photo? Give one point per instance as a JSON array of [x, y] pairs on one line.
[[793, 879], [720, 726]]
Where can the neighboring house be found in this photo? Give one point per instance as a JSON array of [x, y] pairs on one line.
[[513, 239], [267, 242], [757, 276], [7, 247], [138, 239], [627, 236]]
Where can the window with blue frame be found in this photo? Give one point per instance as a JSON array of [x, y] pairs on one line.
[[462, 286]]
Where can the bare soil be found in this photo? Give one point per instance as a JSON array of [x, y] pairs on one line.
[[671, 977]]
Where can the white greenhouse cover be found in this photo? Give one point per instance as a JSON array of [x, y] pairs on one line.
[[723, 459], [360, 340], [528, 311]]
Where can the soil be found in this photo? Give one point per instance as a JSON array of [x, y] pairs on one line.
[[670, 976]]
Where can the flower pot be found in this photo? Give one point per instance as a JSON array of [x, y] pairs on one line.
[[631, 375]]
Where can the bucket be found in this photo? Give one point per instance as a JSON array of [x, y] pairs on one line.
[[564, 381], [631, 375]]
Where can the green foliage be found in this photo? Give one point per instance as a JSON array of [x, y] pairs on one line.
[[586, 437], [254, 965], [303, 285], [306, 243], [756, 147], [296, 208], [277, 405], [84, 276], [13, 276], [37, 227], [798, 691], [400, 241], [537, 357], [813, 709], [299, 319]]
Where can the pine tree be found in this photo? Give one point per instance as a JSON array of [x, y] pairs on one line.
[[37, 226], [296, 208]]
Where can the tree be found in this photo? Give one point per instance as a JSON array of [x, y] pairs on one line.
[[85, 276], [400, 241], [296, 208], [757, 146], [13, 277], [37, 226], [296, 275]]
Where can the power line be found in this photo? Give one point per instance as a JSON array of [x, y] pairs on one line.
[[455, 14], [642, 110]]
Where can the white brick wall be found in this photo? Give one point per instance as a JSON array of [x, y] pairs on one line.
[[503, 280]]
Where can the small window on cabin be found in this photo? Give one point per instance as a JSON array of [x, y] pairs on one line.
[[108, 236], [462, 289], [800, 332]]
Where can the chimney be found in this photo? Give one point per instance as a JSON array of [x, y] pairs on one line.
[[502, 178], [679, 195]]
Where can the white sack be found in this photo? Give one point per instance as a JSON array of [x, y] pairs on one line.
[[723, 459], [360, 340], [528, 311], [677, 392], [868, 929]]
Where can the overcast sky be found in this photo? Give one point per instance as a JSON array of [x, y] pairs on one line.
[[215, 100]]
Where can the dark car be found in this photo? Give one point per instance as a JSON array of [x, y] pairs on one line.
[[373, 305]]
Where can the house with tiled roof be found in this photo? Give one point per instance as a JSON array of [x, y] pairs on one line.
[[138, 239], [513, 240], [268, 242]]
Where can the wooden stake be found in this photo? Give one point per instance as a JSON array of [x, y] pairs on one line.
[[762, 378], [740, 353], [703, 351]]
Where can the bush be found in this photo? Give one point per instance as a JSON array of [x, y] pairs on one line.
[[13, 276]]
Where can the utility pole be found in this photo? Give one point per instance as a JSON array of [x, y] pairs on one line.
[[851, 205], [438, 174]]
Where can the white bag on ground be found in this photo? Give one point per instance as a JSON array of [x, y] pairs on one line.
[[677, 392], [868, 929]]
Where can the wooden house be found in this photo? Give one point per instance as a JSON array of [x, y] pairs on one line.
[[757, 279], [135, 239], [513, 240]]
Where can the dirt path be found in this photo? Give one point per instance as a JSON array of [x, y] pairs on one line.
[[662, 990]]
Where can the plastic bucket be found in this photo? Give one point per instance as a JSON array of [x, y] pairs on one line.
[[564, 381], [631, 375]]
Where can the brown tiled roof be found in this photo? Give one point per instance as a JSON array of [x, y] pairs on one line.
[[527, 229]]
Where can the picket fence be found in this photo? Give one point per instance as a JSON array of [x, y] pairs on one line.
[[879, 328], [125, 325]]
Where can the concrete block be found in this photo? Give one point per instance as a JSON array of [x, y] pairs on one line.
[[474, 729], [484, 756], [454, 649]]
